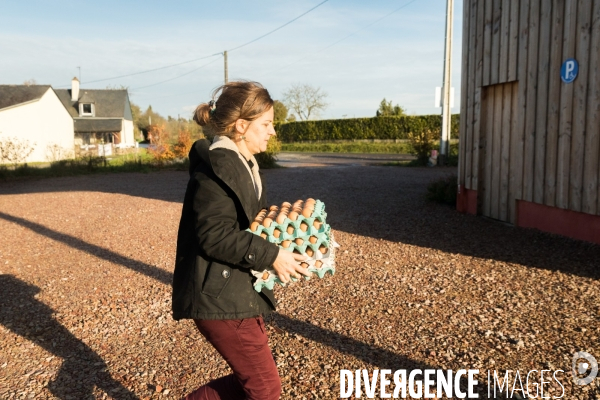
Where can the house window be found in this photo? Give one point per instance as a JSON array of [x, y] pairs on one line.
[[86, 109]]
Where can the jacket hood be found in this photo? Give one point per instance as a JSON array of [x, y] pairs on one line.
[[199, 154], [229, 166]]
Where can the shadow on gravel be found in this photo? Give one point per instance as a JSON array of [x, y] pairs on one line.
[[82, 369], [370, 354], [97, 251], [378, 357]]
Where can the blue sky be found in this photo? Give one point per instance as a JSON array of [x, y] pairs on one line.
[[399, 57]]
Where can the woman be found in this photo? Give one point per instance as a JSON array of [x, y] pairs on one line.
[[212, 283]]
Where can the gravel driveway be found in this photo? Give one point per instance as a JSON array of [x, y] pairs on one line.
[[86, 265]]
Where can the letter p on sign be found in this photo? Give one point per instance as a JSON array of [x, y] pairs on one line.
[[569, 70]]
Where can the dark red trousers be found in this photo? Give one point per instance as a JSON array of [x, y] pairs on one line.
[[243, 344]]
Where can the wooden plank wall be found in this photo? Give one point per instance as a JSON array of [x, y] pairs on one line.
[[591, 172], [499, 106], [539, 139]]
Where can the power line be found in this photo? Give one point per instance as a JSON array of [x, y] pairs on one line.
[[346, 37], [276, 29], [202, 58], [150, 70], [179, 76], [167, 95], [240, 46]]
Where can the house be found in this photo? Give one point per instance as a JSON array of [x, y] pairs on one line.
[[530, 114], [35, 116], [56, 122], [99, 116]]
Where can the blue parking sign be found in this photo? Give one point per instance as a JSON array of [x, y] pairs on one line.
[[569, 70]]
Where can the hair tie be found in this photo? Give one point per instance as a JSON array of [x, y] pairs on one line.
[[213, 106]]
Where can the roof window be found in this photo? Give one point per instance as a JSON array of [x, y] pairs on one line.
[[86, 110]]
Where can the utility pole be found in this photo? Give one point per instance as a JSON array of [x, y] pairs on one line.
[[446, 113], [79, 68], [226, 69]]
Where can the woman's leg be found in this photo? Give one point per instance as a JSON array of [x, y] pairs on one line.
[[244, 345], [226, 387]]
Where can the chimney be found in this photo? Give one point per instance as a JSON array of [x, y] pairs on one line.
[[75, 89]]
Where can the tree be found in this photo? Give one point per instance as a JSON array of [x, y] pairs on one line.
[[14, 150], [386, 109], [30, 82], [305, 100], [280, 110]]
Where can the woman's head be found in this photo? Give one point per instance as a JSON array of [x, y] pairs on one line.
[[240, 109]]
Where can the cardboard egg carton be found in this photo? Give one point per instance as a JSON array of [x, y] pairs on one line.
[[293, 222], [320, 265], [299, 228]]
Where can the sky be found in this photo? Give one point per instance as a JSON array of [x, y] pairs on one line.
[[358, 52]]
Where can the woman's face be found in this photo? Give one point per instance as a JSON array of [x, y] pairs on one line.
[[259, 131]]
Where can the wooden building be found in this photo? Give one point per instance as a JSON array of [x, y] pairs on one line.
[[530, 141]]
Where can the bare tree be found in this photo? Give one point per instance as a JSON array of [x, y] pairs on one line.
[[14, 150], [305, 100]]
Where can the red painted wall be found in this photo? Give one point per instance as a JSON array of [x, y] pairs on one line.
[[576, 225], [466, 201]]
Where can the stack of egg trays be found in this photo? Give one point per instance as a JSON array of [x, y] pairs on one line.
[[328, 266], [322, 234]]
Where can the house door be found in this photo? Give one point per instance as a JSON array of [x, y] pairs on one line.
[[498, 125]]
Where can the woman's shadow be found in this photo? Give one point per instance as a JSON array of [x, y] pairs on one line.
[[82, 369]]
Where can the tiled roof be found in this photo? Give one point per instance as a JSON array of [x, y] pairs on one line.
[[11, 95], [107, 103], [97, 125]]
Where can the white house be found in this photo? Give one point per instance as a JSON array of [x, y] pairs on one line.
[[99, 116], [56, 121], [35, 114]]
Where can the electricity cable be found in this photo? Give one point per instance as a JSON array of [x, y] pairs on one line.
[[276, 29], [243, 45], [178, 76], [345, 37], [151, 70], [205, 57]]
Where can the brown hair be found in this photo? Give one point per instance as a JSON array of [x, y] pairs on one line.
[[237, 100]]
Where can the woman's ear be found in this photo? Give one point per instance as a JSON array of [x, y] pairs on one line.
[[241, 126]]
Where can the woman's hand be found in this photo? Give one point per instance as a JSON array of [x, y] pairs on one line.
[[287, 265]]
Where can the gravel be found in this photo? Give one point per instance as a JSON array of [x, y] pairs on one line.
[[86, 264]]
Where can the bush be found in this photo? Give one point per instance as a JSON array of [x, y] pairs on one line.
[[362, 128], [443, 190], [182, 147], [421, 144], [268, 159], [453, 155], [159, 147], [14, 150], [401, 147], [84, 163]]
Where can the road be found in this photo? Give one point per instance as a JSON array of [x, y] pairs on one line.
[[290, 159]]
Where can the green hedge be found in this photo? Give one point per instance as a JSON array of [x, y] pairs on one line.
[[361, 128]]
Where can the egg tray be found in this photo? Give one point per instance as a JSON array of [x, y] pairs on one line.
[[302, 247], [328, 266], [322, 233]]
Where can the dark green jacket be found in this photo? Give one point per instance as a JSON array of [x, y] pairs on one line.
[[212, 277]]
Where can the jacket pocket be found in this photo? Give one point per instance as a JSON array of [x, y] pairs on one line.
[[216, 279]]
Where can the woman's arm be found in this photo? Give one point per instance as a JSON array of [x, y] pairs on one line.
[[216, 230]]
